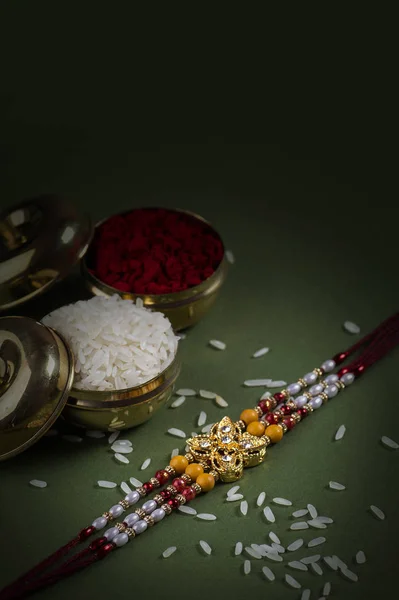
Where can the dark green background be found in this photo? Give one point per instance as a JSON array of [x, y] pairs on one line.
[[297, 174]]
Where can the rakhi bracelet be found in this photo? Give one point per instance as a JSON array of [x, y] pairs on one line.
[[220, 455]]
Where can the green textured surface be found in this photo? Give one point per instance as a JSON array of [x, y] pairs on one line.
[[314, 247]]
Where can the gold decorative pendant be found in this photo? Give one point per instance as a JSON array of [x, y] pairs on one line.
[[227, 450]]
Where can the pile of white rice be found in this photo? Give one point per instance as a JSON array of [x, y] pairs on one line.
[[117, 344]]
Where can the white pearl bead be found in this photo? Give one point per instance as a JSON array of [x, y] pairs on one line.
[[131, 519], [132, 497], [328, 365], [140, 526], [310, 378], [294, 388], [348, 378], [149, 506], [100, 522], [300, 401], [331, 378], [116, 510], [111, 533], [121, 539], [316, 402], [331, 391], [316, 389], [158, 514]]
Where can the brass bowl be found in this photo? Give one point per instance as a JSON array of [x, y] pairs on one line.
[[184, 308], [122, 409]]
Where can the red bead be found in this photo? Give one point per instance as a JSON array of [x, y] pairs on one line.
[[106, 549], [189, 493], [87, 532], [271, 418], [279, 396], [339, 358], [148, 487], [162, 476], [289, 422], [359, 370], [98, 542], [286, 410], [263, 406], [343, 371], [179, 484], [174, 503], [165, 494], [303, 412]]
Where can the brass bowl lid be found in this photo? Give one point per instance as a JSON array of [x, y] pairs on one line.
[[36, 375], [41, 239]]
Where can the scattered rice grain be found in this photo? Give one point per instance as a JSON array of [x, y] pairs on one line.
[[207, 395], [145, 464], [121, 448], [178, 402], [265, 395], [260, 352], [121, 458], [187, 510], [205, 547], [260, 499], [274, 556], [238, 548], [305, 594], [217, 344], [135, 482], [169, 551], [317, 524], [233, 490], [234, 497], [207, 428], [106, 484], [268, 573], [389, 443], [351, 327], [340, 433], [307, 560], [206, 517], [274, 538], [295, 545], [278, 548], [331, 562], [230, 257], [221, 402], [252, 552], [185, 392], [113, 437], [276, 384], [316, 568], [334, 485], [292, 582], [269, 515], [326, 520], [377, 512], [247, 567], [299, 525], [174, 452], [177, 432], [300, 513], [326, 589], [244, 507], [296, 564], [38, 483], [201, 419], [350, 575], [282, 501], [360, 557], [312, 511], [316, 542], [257, 382], [125, 488]]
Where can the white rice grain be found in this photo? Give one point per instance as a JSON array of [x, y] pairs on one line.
[[260, 499], [326, 589], [282, 501], [278, 548], [217, 344], [121, 458], [269, 515], [276, 384], [178, 402], [299, 525], [207, 428], [296, 564], [331, 562], [135, 482], [106, 484], [300, 513], [350, 575], [316, 542], [252, 552], [145, 464], [169, 551], [312, 511], [233, 490], [238, 548], [340, 563], [125, 488], [221, 402], [274, 556], [113, 437], [260, 352], [38, 483], [268, 573], [207, 395], [351, 327], [187, 510], [317, 524], [174, 452], [177, 432], [247, 567], [257, 382], [265, 395], [206, 517], [244, 507], [334, 485], [274, 538], [377, 512], [360, 557], [201, 419], [305, 594], [185, 392], [292, 582], [234, 497], [121, 448], [295, 545], [316, 568], [307, 560], [389, 443], [340, 433], [230, 257], [326, 520], [205, 547]]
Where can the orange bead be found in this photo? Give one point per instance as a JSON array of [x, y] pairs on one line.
[[194, 470], [256, 428], [179, 463], [206, 481], [275, 433], [249, 415]]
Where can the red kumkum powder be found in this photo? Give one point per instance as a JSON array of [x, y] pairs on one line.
[[154, 251]]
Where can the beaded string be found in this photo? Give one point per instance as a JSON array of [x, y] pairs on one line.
[[272, 417]]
